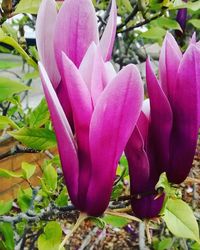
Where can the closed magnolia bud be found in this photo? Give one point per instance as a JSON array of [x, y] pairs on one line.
[[7, 6]]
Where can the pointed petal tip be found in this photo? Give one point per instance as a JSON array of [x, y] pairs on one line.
[[193, 38], [108, 37], [79, 17]]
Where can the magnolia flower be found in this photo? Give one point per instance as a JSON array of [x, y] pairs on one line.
[[166, 134], [70, 30], [181, 18], [105, 113]]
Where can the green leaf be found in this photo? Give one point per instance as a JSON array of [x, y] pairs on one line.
[[10, 87], [195, 6], [28, 6], [154, 33], [195, 246], [166, 186], [31, 75], [167, 23], [180, 219], [56, 161], [62, 199], [195, 23], [20, 227], [24, 198], [7, 236], [51, 238], [50, 177], [10, 41], [127, 5], [165, 244], [5, 121], [40, 115], [9, 30], [99, 222], [117, 190], [115, 221], [8, 173], [36, 138], [9, 64], [5, 207], [28, 170]]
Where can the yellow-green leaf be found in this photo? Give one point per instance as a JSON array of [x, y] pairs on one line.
[[180, 219]]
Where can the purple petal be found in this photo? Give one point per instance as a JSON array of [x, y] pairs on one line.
[[169, 61], [81, 103], [185, 113], [45, 27], [181, 18], [143, 126], [147, 207], [108, 37], [76, 28], [66, 144], [63, 97], [137, 161], [161, 120], [112, 123]]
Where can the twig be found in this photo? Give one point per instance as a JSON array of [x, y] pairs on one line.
[[129, 17], [141, 23], [5, 138], [88, 238], [32, 217], [49, 154], [123, 210], [142, 245], [17, 149], [126, 216], [106, 15], [149, 238], [81, 218]]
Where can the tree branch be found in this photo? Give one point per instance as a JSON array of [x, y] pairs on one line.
[[141, 23], [32, 217], [129, 18], [17, 149]]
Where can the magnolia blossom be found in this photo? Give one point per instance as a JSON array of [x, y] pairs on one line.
[[105, 105], [104, 118], [165, 137], [181, 18], [71, 29]]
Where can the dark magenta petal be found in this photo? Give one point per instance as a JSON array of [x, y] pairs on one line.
[[161, 121], [147, 206], [138, 162], [169, 61], [81, 103], [113, 120], [63, 97], [185, 113], [181, 18], [66, 143]]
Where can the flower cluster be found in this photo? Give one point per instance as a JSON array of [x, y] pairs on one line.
[[97, 113]]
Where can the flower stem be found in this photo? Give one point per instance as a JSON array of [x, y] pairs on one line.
[[81, 218], [123, 215]]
